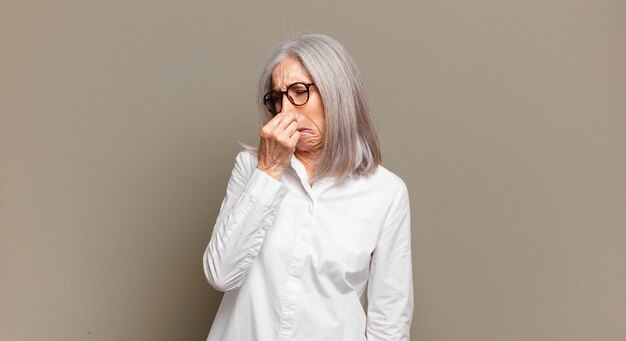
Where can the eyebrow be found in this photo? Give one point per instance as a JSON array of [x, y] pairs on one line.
[[305, 82]]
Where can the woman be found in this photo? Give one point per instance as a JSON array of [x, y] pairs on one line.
[[312, 225]]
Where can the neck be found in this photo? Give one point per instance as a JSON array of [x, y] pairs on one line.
[[309, 159]]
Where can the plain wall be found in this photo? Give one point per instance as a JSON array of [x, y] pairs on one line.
[[119, 125]]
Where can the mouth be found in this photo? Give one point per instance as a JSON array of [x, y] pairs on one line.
[[304, 130]]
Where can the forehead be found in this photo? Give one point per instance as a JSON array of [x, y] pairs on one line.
[[287, 72]]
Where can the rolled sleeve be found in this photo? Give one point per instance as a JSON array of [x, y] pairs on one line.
[[247, 211]]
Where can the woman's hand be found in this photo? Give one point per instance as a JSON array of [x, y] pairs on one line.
[[278, 143]]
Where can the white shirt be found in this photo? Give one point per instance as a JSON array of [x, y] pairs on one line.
[[294, 260]]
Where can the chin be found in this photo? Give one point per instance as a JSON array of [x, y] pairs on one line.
[[308, 143], [303, 144], [301, 147]]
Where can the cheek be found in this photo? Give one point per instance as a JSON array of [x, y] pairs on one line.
[[320, 119], [322, 127], [316, 115]]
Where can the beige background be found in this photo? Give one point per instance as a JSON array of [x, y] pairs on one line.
[[118, 130]]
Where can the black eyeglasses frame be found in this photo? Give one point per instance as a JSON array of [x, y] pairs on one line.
[[269, 101]]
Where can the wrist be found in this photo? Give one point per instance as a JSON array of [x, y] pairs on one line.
[[274, 172]]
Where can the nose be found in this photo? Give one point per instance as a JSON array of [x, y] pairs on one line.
[[285, 104]]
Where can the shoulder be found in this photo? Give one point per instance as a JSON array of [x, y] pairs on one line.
[[397, 193], [381, 186], [246, 161], [387, 179], [247, 156]]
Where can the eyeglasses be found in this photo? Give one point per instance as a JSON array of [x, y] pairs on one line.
[[297, 93]]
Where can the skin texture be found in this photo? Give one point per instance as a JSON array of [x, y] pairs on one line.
[[295, 130]]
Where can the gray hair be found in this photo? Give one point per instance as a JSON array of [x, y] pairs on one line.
[[351, 145]]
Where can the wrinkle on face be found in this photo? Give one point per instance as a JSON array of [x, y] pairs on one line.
[[288, 72], [310, 115]]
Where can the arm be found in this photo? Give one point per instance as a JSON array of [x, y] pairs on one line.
[[250, 205], [247, 211], [390, 283]]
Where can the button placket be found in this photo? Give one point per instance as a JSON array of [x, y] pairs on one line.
[[300, 252], [293, 286]]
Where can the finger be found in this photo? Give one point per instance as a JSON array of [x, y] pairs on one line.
[[275, 125], [291, 128], [275, 120], [286, 119], [294, 138]]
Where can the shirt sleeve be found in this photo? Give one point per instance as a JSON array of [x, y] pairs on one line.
[[390, 283], [248, 209]]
